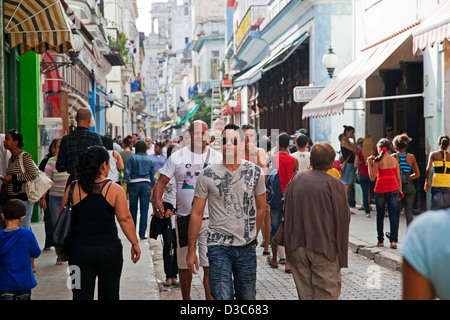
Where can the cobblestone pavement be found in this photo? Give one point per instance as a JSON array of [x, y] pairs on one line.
[[362, 280]]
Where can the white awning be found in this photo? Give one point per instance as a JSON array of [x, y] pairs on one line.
[[75, 103], [254, 74], [435, 28], [332, 98]]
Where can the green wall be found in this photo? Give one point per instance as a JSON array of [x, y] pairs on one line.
[[29, 102]]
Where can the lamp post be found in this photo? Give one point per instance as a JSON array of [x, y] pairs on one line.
[[330, 61], [110, 98], [77, 46]]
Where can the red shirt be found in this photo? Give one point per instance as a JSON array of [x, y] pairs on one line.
[[386, 181], [285, 165], [363, 169]]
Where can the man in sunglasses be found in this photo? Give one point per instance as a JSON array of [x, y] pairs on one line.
[[236, 194]]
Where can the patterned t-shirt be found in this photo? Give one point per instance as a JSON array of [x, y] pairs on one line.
[[231, 202]]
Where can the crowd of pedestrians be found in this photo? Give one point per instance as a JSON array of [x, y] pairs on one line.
[[209, 197]]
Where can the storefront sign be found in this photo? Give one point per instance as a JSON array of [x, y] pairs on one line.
[[305, 94]]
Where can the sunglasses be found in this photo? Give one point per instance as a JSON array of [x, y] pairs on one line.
[[234, 141]]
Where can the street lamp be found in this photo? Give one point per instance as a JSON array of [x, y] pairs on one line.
[[77, 46], [330, 61], [110, 98]]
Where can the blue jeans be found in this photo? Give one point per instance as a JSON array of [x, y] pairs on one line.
[[26, 223], [228, 262], [275, 220], [391, 198], [439, 195], [365, 183], [54, 204], [140, 192], [15, 295]]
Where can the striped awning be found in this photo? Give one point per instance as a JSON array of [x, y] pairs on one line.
[[434, 29], [75, 103], [331, 99], [37, 26]]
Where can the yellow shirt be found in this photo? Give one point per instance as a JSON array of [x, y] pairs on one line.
[[334, 172], [441, 180]]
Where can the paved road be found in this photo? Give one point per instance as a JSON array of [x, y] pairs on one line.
[[362, 280]]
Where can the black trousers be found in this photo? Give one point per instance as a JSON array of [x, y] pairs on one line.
[[102, 262], [169, 240]]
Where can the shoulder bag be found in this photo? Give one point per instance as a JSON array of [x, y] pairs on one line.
[[62, 231], [36, 188], [407, 183]]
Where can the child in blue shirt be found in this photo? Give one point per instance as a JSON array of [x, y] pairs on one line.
[[17, 246]]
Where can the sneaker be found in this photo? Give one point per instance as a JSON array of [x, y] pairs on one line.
[[167, 283], [367, 215]]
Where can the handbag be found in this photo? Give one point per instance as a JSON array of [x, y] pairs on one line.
[[62, 231], [37, 187]]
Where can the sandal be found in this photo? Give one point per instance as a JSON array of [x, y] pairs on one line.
[[167, 283], [270, 263], [393, 245]]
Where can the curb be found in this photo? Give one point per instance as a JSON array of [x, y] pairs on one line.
[[385, 257]]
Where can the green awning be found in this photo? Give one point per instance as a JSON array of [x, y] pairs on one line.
[[190, 114]]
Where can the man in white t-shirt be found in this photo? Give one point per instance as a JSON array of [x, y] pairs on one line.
[[185, 165], [236, 194], [302, 154]]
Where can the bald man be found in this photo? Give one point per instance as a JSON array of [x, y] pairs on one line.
[[75, 142]]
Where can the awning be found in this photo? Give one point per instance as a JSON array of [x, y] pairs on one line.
[[435, 28], [226, 110], [171, 122], [190, 114], [37, 26], [75, 103], [332, 98], [254, 74], [52, 79]]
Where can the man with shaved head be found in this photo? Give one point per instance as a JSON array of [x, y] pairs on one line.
[[75, 142], [185, 165]]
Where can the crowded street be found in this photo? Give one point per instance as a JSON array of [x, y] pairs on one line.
[[223, 150]]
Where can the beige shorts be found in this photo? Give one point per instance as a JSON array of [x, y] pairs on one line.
[[201, 251]]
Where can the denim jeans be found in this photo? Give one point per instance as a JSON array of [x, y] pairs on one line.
[[232, 265], [15, 295], [439, 195], [365, 183], [26, 223], [54, 204], [140, 192], [391, 198], [275, 220]]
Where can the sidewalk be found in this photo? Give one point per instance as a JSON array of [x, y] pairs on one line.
[[138, 280], [143, 281]]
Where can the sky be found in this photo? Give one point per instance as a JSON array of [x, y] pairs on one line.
[[143, 22]]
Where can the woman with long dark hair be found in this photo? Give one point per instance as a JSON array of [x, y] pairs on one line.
[[348, 149], [386, 170], [96, 248], [440, 160]]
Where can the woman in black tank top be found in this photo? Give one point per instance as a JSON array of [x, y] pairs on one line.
[[96, 249]]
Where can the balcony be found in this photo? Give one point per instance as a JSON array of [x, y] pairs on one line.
[[118, 55]]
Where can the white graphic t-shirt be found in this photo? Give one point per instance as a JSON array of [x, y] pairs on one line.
[[185, 166]]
